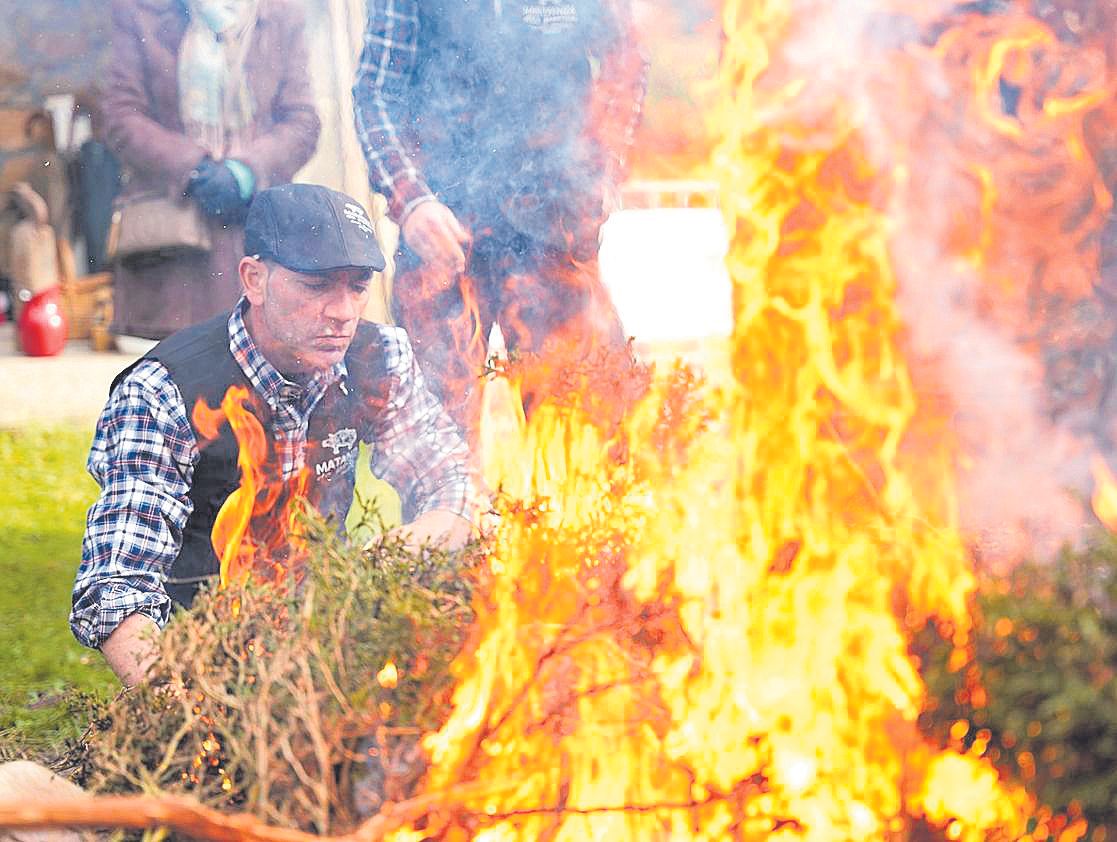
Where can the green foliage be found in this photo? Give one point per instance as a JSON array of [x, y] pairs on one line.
[[1039, 685], [274, 698], [44, 494]]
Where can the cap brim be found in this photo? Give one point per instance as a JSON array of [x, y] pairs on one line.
[[320, 267]]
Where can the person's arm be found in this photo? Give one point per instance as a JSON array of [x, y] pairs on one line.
[[131, 649], [380, 96], [277, 154], [618, 92], [131, 132], [142, 457], [419, 451]]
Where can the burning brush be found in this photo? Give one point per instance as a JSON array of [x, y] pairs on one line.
[[695, 619]]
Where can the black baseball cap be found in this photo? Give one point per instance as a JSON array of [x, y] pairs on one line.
[[310, 228]]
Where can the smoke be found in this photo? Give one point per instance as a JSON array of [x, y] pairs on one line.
[[1021, 476], [515, 117], [979, 293], [517, 168], [1024, 458]]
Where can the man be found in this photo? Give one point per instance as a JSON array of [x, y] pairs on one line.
[[498, 131], [320, 380]]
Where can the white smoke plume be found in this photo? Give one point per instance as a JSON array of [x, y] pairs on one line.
[[1023, 465]]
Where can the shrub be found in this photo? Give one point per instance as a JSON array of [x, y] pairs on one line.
[[1037, 689], [280, 701]]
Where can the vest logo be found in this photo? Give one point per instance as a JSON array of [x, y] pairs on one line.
[[550, 16], [340, 440], [346, 462], [356, 214]]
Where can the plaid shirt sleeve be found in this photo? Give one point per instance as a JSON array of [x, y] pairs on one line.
[[142, 457], [380, 93], [416, 447]]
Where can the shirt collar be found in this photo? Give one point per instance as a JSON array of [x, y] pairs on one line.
[[265, 377]]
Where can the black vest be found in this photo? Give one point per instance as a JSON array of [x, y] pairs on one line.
[[202, 366]]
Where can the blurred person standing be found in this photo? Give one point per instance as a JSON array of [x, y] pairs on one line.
[[498, 131], [208, 102]]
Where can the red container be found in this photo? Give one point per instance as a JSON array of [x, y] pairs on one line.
[[41, 325]]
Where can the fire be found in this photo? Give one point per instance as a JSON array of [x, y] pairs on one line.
[[458, 323], [562, 316], [256, 529], [999, 206], [1105, 493], [681, 43], [697, 624], [698, 612], [388, 677], [1023, 134]]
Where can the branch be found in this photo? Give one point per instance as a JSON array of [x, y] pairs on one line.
[[140, 812]]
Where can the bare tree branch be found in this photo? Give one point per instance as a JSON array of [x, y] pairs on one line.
[[139, 812]]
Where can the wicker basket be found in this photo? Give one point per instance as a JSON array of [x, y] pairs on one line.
[[81, 299]]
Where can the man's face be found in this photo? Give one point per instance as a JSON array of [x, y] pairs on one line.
[[303, 323]]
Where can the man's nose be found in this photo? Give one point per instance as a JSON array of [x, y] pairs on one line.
[[345, 306]]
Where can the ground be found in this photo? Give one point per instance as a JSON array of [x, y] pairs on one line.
[[43, 498]]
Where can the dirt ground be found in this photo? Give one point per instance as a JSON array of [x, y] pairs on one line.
[[70, 388]]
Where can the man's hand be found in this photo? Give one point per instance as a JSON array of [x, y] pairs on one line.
[[434, 233], [439, 529], [131, 649]]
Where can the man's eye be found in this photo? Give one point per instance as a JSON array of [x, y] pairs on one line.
[[360, 289]]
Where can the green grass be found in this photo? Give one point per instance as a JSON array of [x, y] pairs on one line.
[[44, 494]]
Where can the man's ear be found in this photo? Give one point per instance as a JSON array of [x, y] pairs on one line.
[[254, 278]]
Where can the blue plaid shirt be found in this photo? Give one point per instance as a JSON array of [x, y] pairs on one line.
[[144, 452], [386, 82]]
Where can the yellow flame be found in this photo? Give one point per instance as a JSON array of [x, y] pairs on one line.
[[1104, 499], [388, 677], [962, 785], [708, 638]]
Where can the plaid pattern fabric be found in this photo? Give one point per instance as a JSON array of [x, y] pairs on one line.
[[144, 451], [383, 79], [388, 61], [142, 457]]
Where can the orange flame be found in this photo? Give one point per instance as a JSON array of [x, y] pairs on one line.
[[1104, 500], [1022, 133], [681, 42], [256, 529], [709, 637], [449, 329], [998, 208]]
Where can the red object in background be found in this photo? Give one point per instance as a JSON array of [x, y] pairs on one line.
[[41, 325]]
